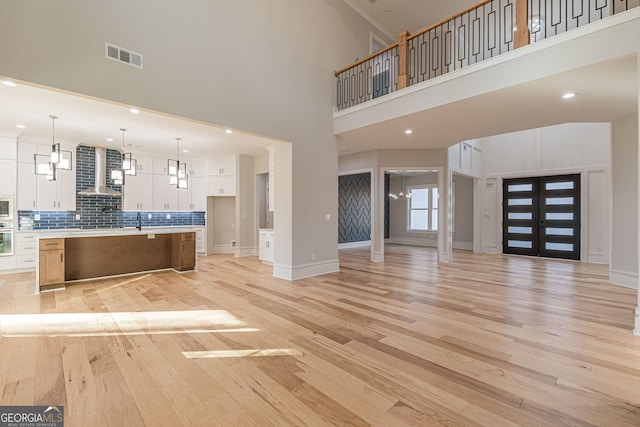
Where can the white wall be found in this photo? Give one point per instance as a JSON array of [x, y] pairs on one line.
[[555, 150], [246, 237], [463, 213], [624, 220], [221, 224], [264, 67], [398, 218]]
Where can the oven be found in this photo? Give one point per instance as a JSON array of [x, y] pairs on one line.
[[6, 226], [6, 238], [6, 209]]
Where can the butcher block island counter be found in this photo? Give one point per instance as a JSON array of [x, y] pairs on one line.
[[69, 256]]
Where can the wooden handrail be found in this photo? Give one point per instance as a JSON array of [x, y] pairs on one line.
[[362, 61], [452, 17], [411, 36]]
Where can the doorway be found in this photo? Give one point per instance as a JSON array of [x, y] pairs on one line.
[[541, 216]]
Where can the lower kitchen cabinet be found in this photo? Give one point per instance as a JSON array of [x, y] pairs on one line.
[[51, 271], [265, 252], [184, 251]]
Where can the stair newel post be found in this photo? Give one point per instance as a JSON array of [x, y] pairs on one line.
[[403, 60], [521, 34]]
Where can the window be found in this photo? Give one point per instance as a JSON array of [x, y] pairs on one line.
[[422, 208]]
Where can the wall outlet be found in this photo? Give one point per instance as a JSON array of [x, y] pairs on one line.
[[313, 256], [36, 217], [77, 216], [149, 216], [327, 217], [233, 243], [168, 216]]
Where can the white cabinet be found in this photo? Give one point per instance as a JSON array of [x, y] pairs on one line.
[[201, 241], [35, 192], [58, 195], [197, 168], [160, 166], [143, 164], [165, 196], [138, 192], [7, 176], [221, 186], [27, 195], [199, 194], [185, 198], [222, 166], [265, 251], [26, 255]]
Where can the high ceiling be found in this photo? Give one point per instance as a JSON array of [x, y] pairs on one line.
[[394, 16], [91, 121]]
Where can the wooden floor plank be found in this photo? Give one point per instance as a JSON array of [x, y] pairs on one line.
[[485, 340]]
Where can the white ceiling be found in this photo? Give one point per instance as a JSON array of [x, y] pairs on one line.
[[394, 16], [90, 121]]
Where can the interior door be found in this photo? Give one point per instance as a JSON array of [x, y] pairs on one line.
[[541, 216]]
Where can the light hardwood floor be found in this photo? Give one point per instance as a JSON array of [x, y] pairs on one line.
[[485, 340]]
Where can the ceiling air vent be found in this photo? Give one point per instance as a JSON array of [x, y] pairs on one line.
[[120, 54]]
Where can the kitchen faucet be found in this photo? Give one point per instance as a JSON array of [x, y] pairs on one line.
[[139, 221]]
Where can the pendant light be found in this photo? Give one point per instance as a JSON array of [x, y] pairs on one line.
[[129, 164], [117, 175], [62, 159], [177, 170], [401, 194]]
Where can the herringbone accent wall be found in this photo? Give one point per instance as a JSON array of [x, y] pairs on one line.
[[354, 209]]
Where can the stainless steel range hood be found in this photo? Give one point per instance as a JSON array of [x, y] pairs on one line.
[[100, 188]]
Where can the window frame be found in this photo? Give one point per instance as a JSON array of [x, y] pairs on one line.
[[431, 228]]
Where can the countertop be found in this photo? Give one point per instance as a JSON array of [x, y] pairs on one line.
[[106, 232]]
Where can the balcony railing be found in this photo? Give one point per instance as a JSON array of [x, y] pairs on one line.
[[481, 32]]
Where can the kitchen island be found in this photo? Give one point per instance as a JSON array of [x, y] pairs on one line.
[[69, 256]]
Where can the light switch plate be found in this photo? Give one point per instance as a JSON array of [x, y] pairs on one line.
[[36, 217]]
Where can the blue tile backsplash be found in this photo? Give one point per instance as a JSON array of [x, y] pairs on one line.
[[101, 211]]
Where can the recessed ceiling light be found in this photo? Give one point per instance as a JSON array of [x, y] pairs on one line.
[[408, 131], [228, 131], [20, 126], [568, 95], [185, 151], [387, 12], [110, 139], [8, 83], [134, 110]]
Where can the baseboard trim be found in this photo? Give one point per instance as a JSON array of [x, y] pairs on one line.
[[463, 246], [412, 241], [246, 251], [305, 270], [348, 245], [223, 249], [627, 279]]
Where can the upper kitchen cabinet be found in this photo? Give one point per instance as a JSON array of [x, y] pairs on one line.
[[198, 168], [165, 195], [34, 191], [58, 195], [138, 192], [143, 164], [7, 166], [221, 166]]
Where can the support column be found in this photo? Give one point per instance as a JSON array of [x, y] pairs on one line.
[[636, 330], [521, 36]]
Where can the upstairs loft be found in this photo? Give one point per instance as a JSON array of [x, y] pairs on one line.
[[498, 67]]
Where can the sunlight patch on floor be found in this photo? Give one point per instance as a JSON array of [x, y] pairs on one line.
[[221, 354], [120, 323]]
